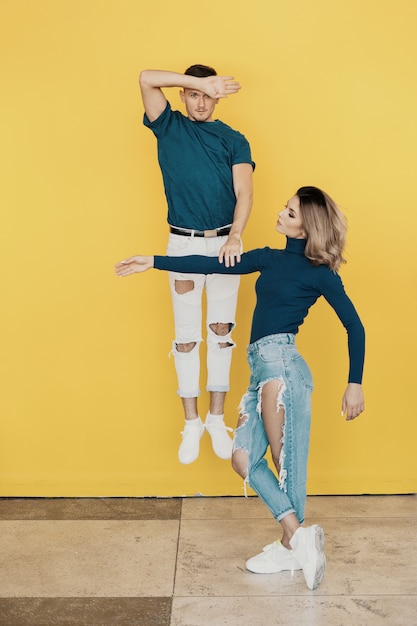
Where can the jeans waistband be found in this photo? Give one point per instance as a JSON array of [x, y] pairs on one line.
[[191, 232], [279, 339]]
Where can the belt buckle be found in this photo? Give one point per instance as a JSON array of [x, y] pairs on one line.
[[210, 233]]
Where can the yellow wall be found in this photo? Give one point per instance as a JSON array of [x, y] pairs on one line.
[[88, 395]]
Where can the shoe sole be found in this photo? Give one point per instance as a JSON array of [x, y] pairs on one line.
[[320, 567], [222, 456], [187, 461], [273, 571], [265, 563]]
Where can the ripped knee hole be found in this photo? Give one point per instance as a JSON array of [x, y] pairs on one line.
[[184, 286], [221, 328], [185, 347]]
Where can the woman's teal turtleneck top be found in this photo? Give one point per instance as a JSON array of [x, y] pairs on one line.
[[288, 285]]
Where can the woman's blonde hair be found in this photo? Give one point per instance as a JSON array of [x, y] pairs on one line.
[[324, 226]]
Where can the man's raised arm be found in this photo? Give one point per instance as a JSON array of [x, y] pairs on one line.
[[153, 81]]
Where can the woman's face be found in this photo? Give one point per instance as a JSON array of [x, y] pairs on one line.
[[289, 220]]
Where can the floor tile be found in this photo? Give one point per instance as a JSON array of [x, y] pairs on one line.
[[90, 508], [362, 506], [234, 507], [212, 554], [87, 558], [229, 507], [293, 611], [371, 556], [134, 561], [364, 557], [85, 612]]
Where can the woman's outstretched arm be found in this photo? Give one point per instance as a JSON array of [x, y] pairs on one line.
[[134, 264], [193, 264]]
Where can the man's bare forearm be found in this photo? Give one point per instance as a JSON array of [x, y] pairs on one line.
[[158, 79], [243, 187], [213, 86]]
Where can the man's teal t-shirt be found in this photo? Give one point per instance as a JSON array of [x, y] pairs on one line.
[[196, 160]]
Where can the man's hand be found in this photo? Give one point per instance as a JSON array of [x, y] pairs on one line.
[[230, 251], [134, 264], [353, 402], [219, 86]]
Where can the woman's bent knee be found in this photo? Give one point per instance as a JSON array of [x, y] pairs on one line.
[[240, 462]]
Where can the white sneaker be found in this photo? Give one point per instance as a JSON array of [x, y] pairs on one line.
[[220, 440], [190, 445], [273, 559], [307, 544]]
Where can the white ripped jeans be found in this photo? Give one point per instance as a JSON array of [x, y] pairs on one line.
[[221, 300]]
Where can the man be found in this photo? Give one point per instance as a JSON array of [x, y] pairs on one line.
[[207, 172]]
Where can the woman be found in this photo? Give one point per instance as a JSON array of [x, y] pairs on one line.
[[276, 408]]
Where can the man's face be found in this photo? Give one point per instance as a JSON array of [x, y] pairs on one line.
[[199, 106]]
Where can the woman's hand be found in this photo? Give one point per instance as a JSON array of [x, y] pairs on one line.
[[353, 402], [134, 264]]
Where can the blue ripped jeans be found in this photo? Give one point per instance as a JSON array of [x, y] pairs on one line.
[[276, 357]]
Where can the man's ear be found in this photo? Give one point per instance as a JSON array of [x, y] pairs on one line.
[[182, 95]]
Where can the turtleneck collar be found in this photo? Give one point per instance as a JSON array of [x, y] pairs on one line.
[[296, 246]]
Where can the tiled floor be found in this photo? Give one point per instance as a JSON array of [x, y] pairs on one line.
[[180, 562]]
